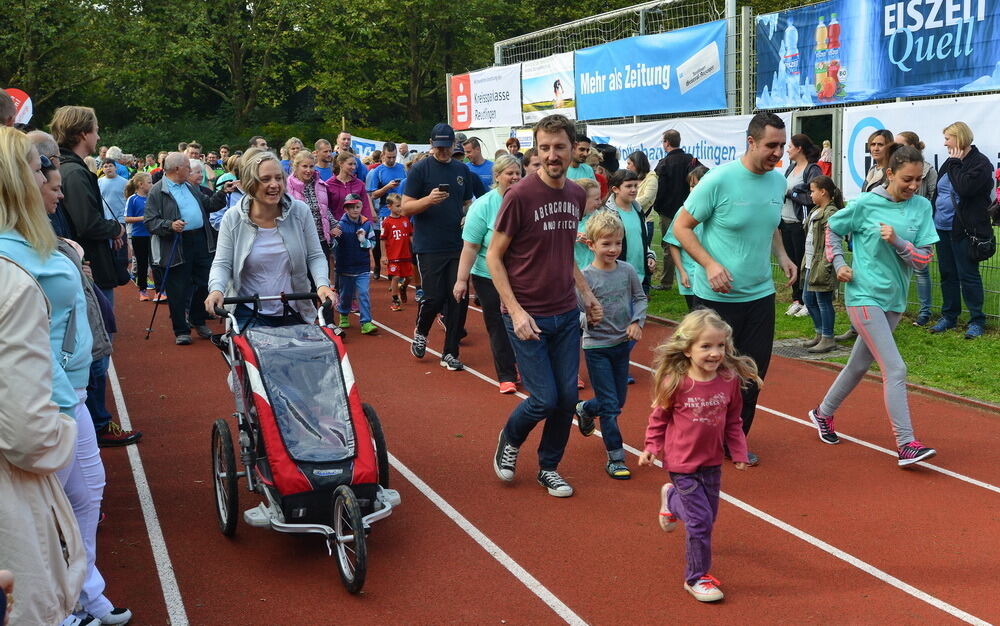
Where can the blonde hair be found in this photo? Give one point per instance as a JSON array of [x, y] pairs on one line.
[[134, 182], [671, 364], [69, 122], [603, 224], [21, 207], [301, 156], [588, 184], [250, 169], [393, 198], [961, 132]]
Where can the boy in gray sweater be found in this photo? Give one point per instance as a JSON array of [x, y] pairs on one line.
[[608, 344]]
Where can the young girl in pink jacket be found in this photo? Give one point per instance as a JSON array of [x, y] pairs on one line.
[[696, 415]]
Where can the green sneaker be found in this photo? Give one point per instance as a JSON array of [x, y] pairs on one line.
[[345, 321], [368, 328]]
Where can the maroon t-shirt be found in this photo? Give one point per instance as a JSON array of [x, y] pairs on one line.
[[541, 222]]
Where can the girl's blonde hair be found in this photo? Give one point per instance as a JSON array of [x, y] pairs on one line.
[[671, 365], [301, 156], [603, 224], [21, 207], [588, 184], [134, 182]]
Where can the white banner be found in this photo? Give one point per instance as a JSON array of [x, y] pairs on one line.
[[547, 87], [927, 118], [711, 140], [487, 98]]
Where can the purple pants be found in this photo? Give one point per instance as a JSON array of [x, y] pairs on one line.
[[695, 501]]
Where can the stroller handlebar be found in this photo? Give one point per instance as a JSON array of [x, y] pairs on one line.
[[284, 297]]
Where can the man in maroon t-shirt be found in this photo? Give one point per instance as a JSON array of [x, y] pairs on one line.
[[531, 260]]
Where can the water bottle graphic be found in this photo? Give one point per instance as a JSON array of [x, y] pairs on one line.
[[791, 42]]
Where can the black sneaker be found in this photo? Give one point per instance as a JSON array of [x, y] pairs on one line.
[[419, 345], [914, 452], [585, 422], [113, 436], [203, 331], [554, 483], [824, 424], [505, 459], [451, 363]]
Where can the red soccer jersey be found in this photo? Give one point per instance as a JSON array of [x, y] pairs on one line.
[[396, 232]]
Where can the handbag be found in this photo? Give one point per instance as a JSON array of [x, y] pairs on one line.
[[980, 248]]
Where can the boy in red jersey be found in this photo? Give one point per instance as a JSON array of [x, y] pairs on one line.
[[396, 254]]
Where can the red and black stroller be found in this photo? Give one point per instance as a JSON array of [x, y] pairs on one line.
[[307, 444]]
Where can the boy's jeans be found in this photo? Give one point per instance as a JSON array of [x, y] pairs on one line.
[[352, 285], [608, 371]]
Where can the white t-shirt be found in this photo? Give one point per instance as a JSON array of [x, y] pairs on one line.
[[266, 270]]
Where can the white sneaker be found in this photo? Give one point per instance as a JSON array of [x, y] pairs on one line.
[[802, 312], [706, 589], [793, 308]]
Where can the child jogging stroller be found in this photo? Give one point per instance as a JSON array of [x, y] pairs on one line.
[[307, 444]]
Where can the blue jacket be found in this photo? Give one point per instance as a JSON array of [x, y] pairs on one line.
[[353, 257]]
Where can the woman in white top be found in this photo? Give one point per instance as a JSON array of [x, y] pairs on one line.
[[267, 246]]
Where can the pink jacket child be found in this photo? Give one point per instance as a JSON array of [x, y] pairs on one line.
[[339, 190], [296, 190]]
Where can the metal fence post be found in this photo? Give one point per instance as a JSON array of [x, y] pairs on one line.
[[747, 36], [731, 55]]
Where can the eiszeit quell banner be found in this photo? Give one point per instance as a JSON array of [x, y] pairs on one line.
[[487, 98], [711, 140], [681, 70], [927, 118], [547, 87], [859, 50]]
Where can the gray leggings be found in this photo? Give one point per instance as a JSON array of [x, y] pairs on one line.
[[875, 343]]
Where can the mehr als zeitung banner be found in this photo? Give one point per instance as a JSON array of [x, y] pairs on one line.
[[680, 70], [858, 50], [711, 140], [927, 118], [547, 87], [487, 98]]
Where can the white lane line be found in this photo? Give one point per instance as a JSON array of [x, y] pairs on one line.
[[871, 446], [816, 542], [491, 548], [168, 583]]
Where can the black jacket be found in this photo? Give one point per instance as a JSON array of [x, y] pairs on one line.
[[86, 213], [672, 188], [972, 178], [800, 194]]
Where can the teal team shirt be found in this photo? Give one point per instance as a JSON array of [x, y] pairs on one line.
[[478, 228], [880, 277], [739, 212], [582, 253], [580, 171], [690, 265]]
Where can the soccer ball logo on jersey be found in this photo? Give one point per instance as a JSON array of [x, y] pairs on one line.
[[460, 180]]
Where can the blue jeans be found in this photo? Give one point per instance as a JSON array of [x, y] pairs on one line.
[[960, 280], [820, 307], [608, 371], [351, 286], [96, 392], [549, 367], [924, 290]]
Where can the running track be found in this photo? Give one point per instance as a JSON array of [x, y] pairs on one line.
[[815, 534]]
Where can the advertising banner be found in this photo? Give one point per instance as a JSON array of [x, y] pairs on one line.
[[487, 98], [547, 87], [681, 70], [928, 119], [712, 140], [859, 50], [25, 109]]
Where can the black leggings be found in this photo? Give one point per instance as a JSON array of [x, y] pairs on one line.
[[141, 248], [377, 252], [793, 238], [753, 336], [503, 353]]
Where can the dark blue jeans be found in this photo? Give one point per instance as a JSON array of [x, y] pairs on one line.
[[695, 501], [608, 371], [549, 367], [96, 392], [960, 280]]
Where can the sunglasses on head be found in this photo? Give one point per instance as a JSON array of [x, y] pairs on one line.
[[46, 161]]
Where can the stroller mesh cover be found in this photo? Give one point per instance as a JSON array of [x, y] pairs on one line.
[[300, 370]]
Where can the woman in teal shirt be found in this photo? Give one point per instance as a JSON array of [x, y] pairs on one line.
[[477, 232], [893, 232]]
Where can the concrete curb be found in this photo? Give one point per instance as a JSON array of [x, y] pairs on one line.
[[930, 391]]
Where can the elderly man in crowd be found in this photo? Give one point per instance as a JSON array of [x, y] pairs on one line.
[[183, 243]]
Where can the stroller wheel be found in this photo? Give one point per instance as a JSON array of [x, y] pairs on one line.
[[224, 477], [352, 556], [381, 452]]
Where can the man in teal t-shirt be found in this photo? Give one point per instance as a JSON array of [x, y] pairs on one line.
[[579, 169], [739, 207]]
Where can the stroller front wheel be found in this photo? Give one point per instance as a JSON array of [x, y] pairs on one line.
[[352, 555], [224, 477]]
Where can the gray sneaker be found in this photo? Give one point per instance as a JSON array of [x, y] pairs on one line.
[[584, 421], [183, 340], [203, 331], [451, 363], [419, 345]]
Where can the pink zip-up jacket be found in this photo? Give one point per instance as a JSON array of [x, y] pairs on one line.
[[295, 187], [338, 191]]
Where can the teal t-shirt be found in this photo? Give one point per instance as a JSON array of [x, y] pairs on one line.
[[580, 171], [690, 265], [635, 254], [739, 212], [880, 277], [478, 228], [582, 253]]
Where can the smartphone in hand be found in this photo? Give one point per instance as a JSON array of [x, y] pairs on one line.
[[444, 187]]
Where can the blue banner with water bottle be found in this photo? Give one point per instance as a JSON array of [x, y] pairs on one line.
[[860, 50]]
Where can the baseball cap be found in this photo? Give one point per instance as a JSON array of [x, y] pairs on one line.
[[458, 151], [442, 136], [352, 198]]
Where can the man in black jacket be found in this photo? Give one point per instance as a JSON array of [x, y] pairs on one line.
[[671, 192]]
